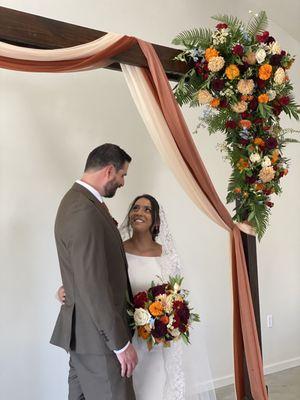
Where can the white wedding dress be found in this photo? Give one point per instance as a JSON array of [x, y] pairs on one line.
[[149, 375], [179, 372], [165, 373]]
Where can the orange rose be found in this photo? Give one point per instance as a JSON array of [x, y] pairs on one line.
[[232, 71], [285, 171], [259, 142], [263, 98], [275, 156], [251, 148], [242, 164], [245, 123], [265, 71], [215, 102], [156, 309], [164, 319], [143, 333], [237, 190], [210, 53], [259, 186]]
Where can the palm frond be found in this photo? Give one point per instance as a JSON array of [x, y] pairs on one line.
[[194, 38], [257, 24], [233, 22]]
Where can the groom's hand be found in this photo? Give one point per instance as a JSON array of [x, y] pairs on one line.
[[128, 360]]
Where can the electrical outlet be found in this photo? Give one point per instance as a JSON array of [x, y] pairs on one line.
[[269, 320]]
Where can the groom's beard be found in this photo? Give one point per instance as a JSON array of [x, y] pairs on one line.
[[110, 188]]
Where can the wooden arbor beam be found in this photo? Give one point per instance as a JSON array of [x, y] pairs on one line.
[[28, 30]]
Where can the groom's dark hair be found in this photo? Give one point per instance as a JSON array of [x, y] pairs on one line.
[[106, 154]]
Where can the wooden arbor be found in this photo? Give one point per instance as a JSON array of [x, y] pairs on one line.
[[28, 30]]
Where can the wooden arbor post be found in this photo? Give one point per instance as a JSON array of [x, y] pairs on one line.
[[28, 30]]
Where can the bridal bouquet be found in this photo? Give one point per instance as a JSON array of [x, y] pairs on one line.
[[162, 313], [239, 73]]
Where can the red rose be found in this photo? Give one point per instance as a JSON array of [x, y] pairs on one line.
[[230, 124], [284, 101], [160, 329], [140, 299], [245, 115], [253, 104], [223, 103], [221, 26], [244, 142], [269, 204], [263, 37], [157, 290], [261, 83], [238, 50]]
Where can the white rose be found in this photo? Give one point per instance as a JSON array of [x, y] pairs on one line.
[[279, 76], [176, 288], [260, 56], [175, 332], [255, 157], [266, 162], [272, 94], [275, 48], [141, 317]]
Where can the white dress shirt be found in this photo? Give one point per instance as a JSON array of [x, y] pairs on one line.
[[99, 197]]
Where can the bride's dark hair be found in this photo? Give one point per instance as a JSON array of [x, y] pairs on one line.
[[154, 228]]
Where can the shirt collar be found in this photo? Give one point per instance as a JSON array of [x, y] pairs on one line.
[[91, 189]]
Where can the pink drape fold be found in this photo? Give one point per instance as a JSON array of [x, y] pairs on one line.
[[98, 54]]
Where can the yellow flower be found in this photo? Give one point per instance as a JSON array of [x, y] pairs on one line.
[[265, 71], [259, 142], [263, 98], [156, 309], [210, 53], [232, 71]]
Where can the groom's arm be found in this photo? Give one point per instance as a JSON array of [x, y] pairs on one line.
[[88, 256]]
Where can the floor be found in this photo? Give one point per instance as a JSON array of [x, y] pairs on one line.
[[284, 385]]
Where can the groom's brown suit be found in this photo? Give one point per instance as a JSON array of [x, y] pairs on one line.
[[92, 322]]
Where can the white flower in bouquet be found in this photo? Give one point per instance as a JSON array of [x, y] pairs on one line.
[[260, 55], [255, 157], [267, 174], [279, 76], [271, 94], [176, 288], [175, 332], [245, 86], [240, 107], [204, 97], [216, 64], [275, 48], [141, 317], [266, 162], [170, 324]]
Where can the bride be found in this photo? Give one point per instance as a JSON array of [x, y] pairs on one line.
[[174, 373]]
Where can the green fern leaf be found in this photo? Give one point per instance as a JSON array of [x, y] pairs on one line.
[[257, 24], [233, 22], [194, 38]]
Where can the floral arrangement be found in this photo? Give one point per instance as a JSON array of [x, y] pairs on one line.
[[162, 313], [239, 73]]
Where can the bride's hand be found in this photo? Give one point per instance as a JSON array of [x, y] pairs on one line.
[[61, 295]]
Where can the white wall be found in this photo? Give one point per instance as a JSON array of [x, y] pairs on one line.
[[49, 123]]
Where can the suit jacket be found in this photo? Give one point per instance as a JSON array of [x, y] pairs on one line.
[[93, 266]]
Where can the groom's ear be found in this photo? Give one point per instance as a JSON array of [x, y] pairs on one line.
[[110, 171]]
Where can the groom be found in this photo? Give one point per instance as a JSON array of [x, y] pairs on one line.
[[92, 324]]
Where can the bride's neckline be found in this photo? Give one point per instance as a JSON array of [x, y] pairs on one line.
[[136, 255]]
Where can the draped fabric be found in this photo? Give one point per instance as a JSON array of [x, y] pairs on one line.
[[163, 118]]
